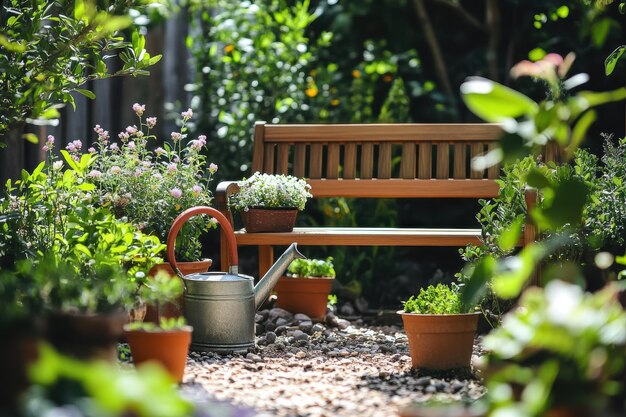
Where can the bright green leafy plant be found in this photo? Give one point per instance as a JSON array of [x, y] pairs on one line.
[[50, 49], [149, 188], [302, 268], [270, 191], [436, 299]]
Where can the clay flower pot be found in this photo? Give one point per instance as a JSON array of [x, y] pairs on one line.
[[166, 347], [440, 341], [258, 220], [174, 310], [307, 295]]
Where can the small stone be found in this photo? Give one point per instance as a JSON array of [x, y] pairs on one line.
[[347, 309], [423, 381], [331, 339], [254, 358], [388, 348], [259, 329], [299, 318], [300, 354], [282, 322], [270, 337], [277, 313], [430, 389], [280, 330], [269, 326], [440, 385], [305, 326], [342, 324], [300, 335], [317, 328], [457, 386], [258, 318]]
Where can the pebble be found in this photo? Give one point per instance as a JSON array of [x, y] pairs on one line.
[[300, 354], [270, 337]]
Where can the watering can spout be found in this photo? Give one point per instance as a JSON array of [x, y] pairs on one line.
[[264, 287]]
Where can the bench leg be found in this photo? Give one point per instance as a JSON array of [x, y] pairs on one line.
[[266, 259], [531, 231], [224, 258]]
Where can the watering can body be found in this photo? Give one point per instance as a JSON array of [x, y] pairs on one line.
[[221, 306]]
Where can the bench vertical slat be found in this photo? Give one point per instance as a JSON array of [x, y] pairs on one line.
[[367, 161], [259, 140], [443, 160], [384, 161], [316, 161], [460, 154], [332, 161], [477, 150], [494, 170], [299, 160], [425, 161], [407, 166], [268, 165], [552, 152], [349, 161], [282, 159]]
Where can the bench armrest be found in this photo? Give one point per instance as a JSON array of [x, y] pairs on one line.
[[222, 193]]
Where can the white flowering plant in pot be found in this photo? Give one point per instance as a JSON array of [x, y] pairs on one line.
[[270, 191], [151, 186]]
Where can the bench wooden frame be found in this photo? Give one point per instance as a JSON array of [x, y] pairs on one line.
[[355, 160]]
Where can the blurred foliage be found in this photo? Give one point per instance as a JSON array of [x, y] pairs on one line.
[[435, 299], [561, 348], [50, 49]]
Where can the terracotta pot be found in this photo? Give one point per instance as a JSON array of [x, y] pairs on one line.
[[258, 220], [569, 411], [440, 341], [166, 347], [168, 310], [86, 336], [304, 295]]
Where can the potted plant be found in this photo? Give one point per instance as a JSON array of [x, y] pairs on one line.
[[168, 341], [150, 187], [439, 328], [270, 203], [306, 286]]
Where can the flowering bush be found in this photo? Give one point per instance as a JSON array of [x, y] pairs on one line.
[[151, 187], [270, 191]]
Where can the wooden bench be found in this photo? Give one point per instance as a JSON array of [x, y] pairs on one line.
[[355, 160]]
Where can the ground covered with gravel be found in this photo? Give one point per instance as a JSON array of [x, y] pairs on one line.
[[333, 368]]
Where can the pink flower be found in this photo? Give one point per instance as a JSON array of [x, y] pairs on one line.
[[176, 192], [195, 144], [50, 140], [131, 129], [131, 145], [172, 167], [151, 122], [91, 150], [74, 146], [196, 190], [157, 176], [95, 173], [138, 172], [160, 151], [176, 136], [114, 147], [45, 148], [212, 168], [187, 114], [146, 164], [139, 109], [123, 136], [115, 169]]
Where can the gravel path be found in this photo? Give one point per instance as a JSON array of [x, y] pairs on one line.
[[334, 369]]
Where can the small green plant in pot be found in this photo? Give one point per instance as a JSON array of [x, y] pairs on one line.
[[306, 286], [270, 203], [168, 341], [440, 328]]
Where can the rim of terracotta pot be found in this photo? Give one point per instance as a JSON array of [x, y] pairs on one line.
[[186, 328], [308, 278], [271, 208], [402, 312]]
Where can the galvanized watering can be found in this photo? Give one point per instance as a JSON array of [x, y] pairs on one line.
[[221, 306]]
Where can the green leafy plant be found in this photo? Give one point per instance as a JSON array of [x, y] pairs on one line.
[[302, 268], [51, 49], [149, 188], [561, 347], [160, 289], [436, 299], [270, 191]]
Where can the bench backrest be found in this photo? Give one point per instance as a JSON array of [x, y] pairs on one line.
[[380, 160]]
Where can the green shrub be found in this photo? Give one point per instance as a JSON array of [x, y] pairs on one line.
[[312, 268], [439, 299]]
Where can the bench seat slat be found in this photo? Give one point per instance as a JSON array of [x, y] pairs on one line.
[[360, 236]]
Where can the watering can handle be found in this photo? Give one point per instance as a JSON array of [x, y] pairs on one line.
[[221, 219]]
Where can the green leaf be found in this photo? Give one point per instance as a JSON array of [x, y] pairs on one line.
[[154, 59], [536, 54], [476, 287], [510, 236], [562, 205], [600, 30], [494, 102], [79, 9], [79, 247], [536, 178], [86, 93], [517, 271], [31, 137], [580, 129], [562, 11], [70, 161]]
